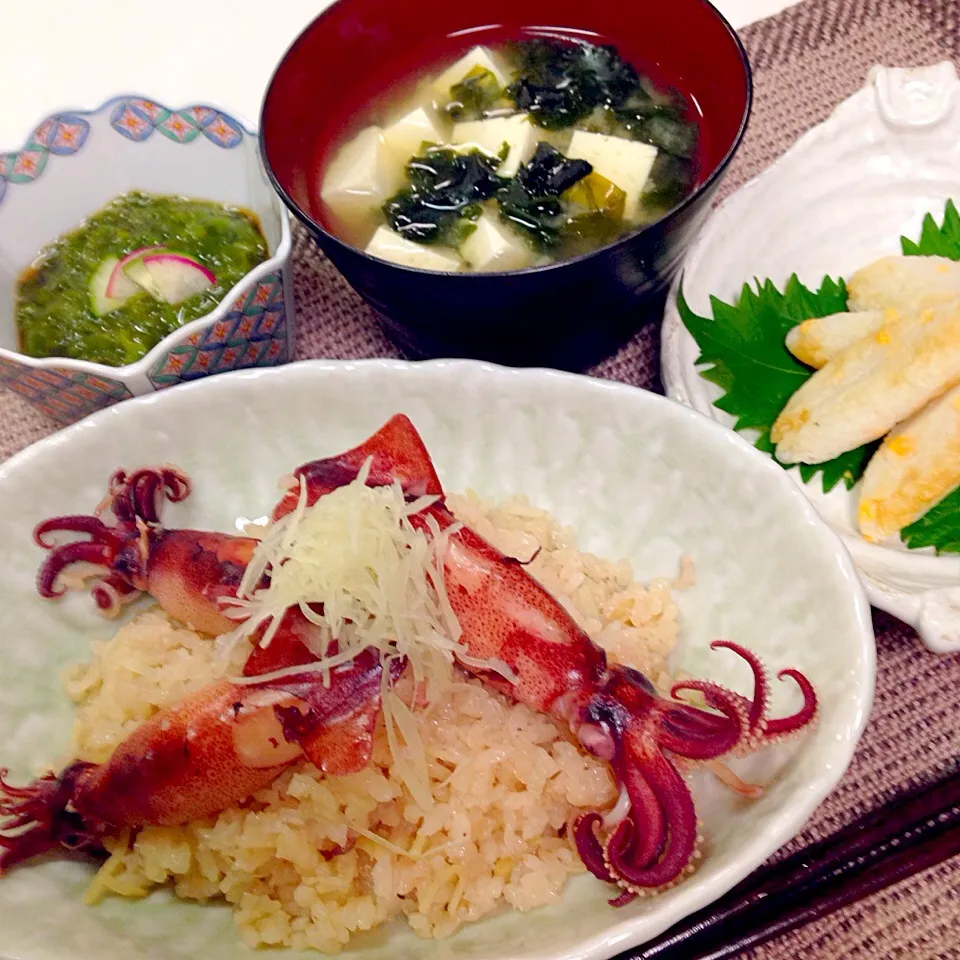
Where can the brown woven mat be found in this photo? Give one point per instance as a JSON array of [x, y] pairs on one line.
[[806, 60]]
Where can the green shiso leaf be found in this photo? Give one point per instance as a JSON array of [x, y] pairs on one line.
[[743, 351]]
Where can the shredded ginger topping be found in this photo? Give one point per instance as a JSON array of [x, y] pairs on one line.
[[355, 566]]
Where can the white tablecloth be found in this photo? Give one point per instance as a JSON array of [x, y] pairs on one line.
[[59, 54]]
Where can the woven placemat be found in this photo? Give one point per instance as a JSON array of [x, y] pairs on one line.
[[806, 60]]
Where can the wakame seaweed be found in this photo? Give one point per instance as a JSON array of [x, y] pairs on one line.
[[561, 207], [658, 119], [560, 84], [549, 172], [670, 181], [563, 84], [444, 195], [446, 188], [531, 200], [477, 92], [535, 216]]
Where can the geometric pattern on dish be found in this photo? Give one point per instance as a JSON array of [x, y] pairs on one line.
[[62, 394], [136, 118], [253, 333], [61, 134], [222, 131], [25, 165], [133, 123], [179, 126]]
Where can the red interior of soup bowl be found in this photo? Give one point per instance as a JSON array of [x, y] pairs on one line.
[[354, 56]]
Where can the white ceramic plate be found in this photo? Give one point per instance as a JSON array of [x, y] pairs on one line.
[[841, 197], [637, 476]]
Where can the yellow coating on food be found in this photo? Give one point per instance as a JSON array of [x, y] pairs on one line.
[[788, 424], [916, 493], [806, 347], [915, 468], [907, 284], [901, 446], [819, 340], [871, 386]]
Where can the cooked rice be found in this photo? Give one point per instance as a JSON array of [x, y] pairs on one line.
[[506, 781]]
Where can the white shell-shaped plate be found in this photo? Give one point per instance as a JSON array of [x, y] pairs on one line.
[[841, 197], [635, 474]]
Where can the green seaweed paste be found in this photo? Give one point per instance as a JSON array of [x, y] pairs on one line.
[[56, 315]]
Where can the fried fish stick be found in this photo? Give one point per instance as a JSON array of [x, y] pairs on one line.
[[878, 293], [882, 293], [905, 284], [914, 469], [871, 386], [816, 341]]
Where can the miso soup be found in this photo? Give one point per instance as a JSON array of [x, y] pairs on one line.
[[516, 155]]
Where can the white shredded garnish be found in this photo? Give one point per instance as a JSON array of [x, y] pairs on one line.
[[252, 528], [393, 848], [410, 762], [617, 812], [358, 568]]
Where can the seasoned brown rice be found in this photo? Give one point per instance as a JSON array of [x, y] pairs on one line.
[[505, 780]]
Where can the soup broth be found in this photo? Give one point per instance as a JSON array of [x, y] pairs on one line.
[[513, 155]]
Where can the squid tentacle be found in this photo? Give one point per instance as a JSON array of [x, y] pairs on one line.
[[589, 847], [643, 841], [782, 726], [761, 689], [75, 523], [760, 728], [138, 495], [39, 817], [65, 556], [679, 847], [656, 843], [134, 499], [718, 735]]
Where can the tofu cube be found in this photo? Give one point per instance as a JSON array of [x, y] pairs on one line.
[[518, 132], [362, 175], [477, 57], [403, 138], [387, 244], [495, 246], [624, 163]]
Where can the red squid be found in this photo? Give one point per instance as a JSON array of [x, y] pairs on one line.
[[647, 842]]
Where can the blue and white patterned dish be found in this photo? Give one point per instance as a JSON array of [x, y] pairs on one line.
[[75, 162]]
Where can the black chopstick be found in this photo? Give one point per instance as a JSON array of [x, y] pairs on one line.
[[916, 829]]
